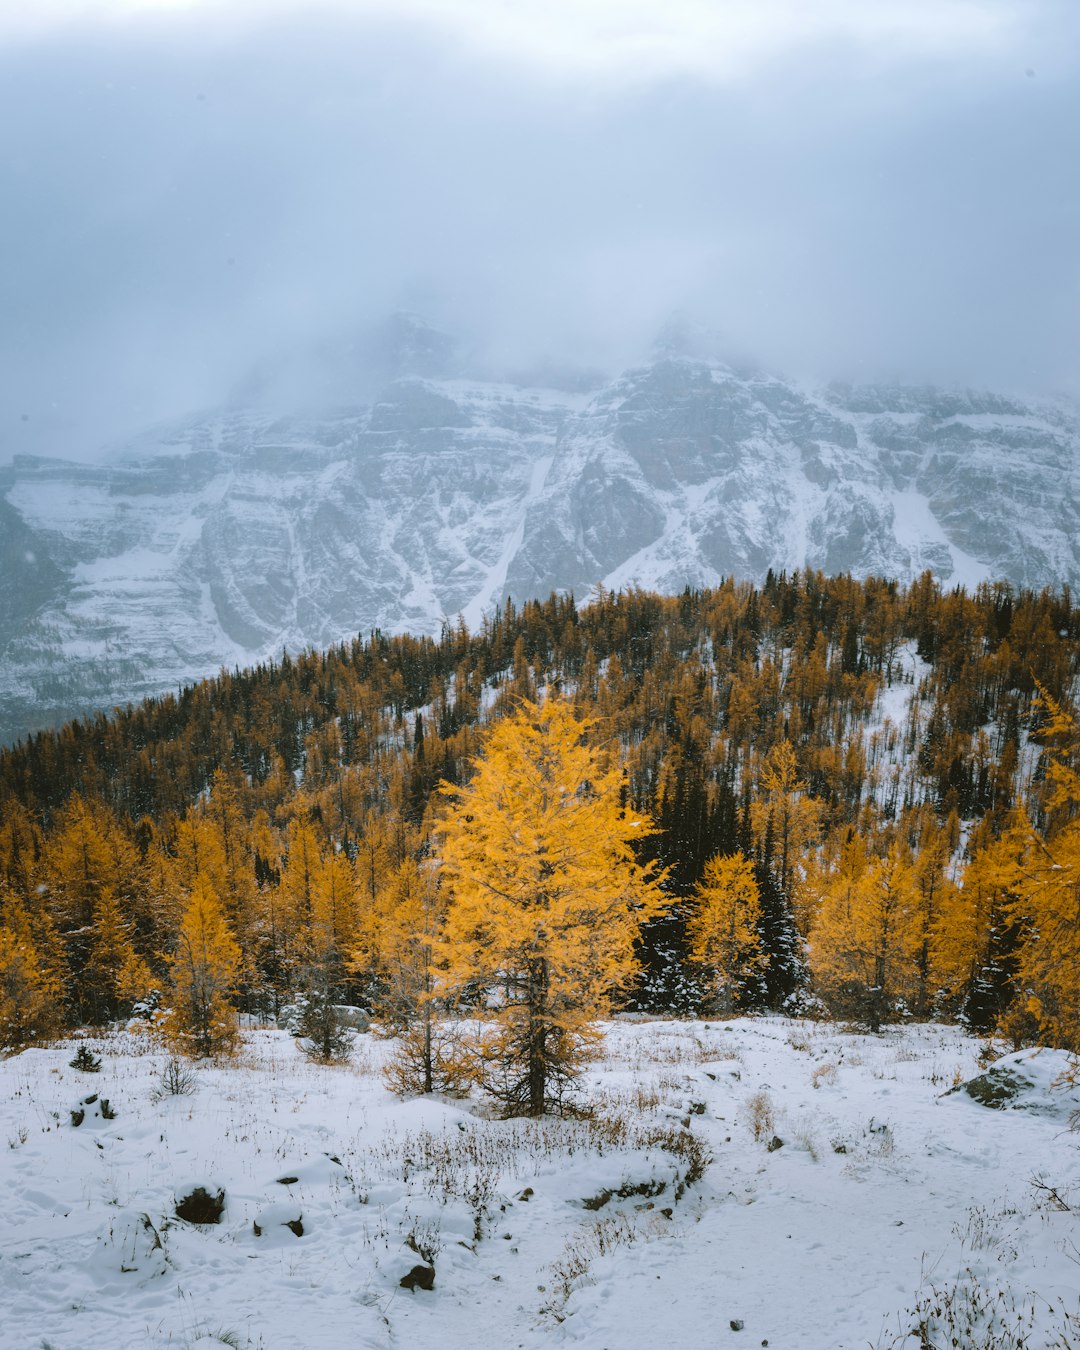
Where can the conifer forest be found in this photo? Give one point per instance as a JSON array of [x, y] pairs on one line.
[[834, 798]]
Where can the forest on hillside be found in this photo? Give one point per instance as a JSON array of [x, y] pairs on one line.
[[865, 803]]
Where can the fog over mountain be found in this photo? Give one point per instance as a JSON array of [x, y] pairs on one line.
[[439, 489], [194, 191], [213, 442]]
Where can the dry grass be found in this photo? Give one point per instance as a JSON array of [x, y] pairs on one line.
[[572, 1270], [760, 1115]]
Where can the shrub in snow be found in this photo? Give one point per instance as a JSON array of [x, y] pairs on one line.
[[802, 1002], [978, 1316], [320, 1030], [431, 1056], [824, 1075], [176, 1080], [760, 1115], [144, 1008], [86, 1060], [571, 1270]]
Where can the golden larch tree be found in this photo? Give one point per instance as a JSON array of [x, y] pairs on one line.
[[90, 861], [865, 940], [974, 934], [723, 928], [30, 993], [546, 897], [1046, 907], [786, 822], [205, 965], [115, 976]]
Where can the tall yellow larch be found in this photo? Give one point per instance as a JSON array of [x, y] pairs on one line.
[[375, 863], [20, 850], [546, 896], [1046, 907], [865, 938], [204, 967], [1047, 911], [723, 928], [31, 1002], [114, 975], [787, 819], [974, 938], [88, 856], [199, 853], [239, 891], [333, 901], [934, 896], [300, 866]]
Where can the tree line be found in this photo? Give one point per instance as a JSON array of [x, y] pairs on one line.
[[862, 800]]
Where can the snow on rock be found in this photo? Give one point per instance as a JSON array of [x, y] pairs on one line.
[[93, 1112], [1039, 1080]]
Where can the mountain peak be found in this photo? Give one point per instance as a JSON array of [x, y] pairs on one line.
[[337, 505], [406, 344]]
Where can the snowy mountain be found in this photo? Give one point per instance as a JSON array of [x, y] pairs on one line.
[[221, 540]]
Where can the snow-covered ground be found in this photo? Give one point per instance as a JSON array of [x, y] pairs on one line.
[[883, 1191]]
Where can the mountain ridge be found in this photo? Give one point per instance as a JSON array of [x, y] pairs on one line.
[[223, 539]]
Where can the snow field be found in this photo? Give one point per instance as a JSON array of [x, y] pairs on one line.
[[603, 1232]]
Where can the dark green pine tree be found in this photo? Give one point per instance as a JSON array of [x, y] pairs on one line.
[[785, 975], [697, 818]]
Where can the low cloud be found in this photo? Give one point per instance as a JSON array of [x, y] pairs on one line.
[[876, 190]]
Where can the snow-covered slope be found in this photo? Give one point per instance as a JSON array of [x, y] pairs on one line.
[[846, 1199], [225, 539]]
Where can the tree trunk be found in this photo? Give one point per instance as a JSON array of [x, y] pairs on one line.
[[537, 1060]]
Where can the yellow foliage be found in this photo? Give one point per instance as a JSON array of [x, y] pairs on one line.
[[112, 967], [547, 896], [723, 928], [865, 940], [1045, 904], [786, 820], [205, 966], [333, 903], [972, 936], [30, 1007]]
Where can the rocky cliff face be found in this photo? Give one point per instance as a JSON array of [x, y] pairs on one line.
[[226, 539]]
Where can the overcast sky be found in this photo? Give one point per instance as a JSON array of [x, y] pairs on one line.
[[861, 188]]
